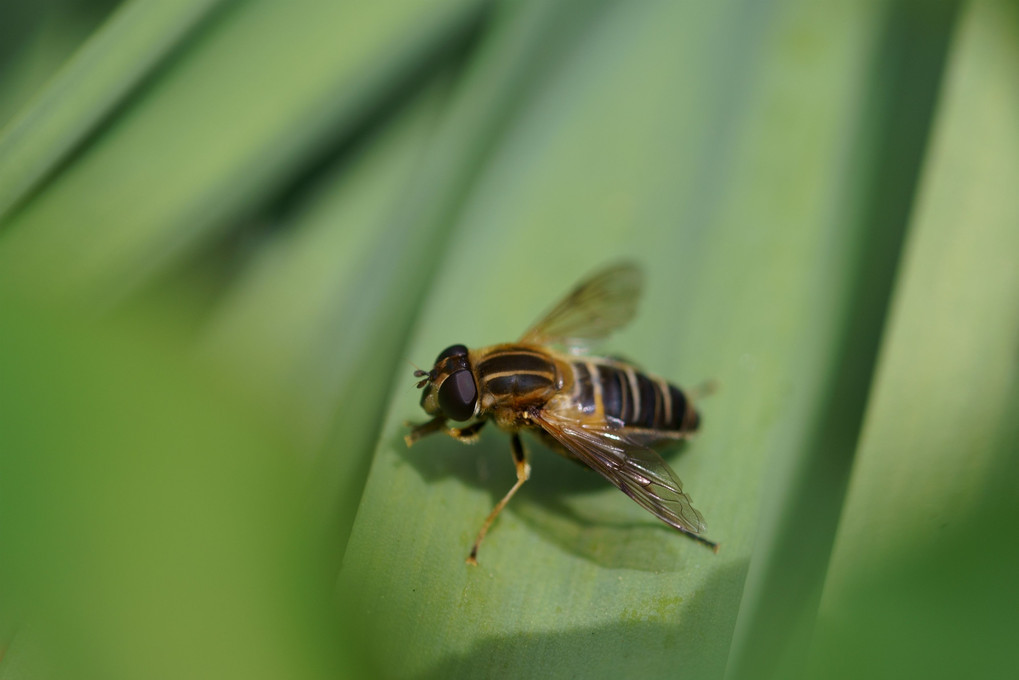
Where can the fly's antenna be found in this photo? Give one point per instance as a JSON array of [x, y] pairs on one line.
[[418, 373]]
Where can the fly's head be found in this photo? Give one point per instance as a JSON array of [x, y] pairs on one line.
[[449, 389]]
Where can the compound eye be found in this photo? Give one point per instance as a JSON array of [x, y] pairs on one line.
[[458, 395], [451, 351]]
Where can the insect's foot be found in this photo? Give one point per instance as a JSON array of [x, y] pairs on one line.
[[705, 389], [472, 559], [464, 436]]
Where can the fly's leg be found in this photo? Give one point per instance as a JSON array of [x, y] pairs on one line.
[[705, 389], [466, 435], [523, 473], [424, 429]]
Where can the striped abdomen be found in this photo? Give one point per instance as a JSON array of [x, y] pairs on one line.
[[616, 390], [522, 374]]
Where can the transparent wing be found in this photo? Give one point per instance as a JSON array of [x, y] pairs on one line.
[[595, 308], [638, 471]]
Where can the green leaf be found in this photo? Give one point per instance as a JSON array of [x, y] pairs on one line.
[[36, 39], [103, 72], [252, 100], [268, 229], [922, 554], [137, 483], [904, 69], [756, 279]]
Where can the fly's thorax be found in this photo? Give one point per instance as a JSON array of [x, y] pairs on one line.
[[515, 376]]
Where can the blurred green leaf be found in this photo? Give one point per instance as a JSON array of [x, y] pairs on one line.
[[36, 39], [154, 523], [103, 72], [252, 99], [923, 547], [907, 44]]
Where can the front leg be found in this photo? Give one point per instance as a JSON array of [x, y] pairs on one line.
[[424, 429], [465, 435]]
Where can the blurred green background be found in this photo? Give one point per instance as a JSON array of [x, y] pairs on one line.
[[228, 228]]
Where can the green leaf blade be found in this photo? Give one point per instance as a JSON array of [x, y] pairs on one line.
[[921, 575], [135, 39], [216, 140], [573, 559]]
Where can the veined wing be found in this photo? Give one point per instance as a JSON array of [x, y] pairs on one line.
[[595, 308], [636, 470]]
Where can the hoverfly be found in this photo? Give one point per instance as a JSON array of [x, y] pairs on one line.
[[600, 411]]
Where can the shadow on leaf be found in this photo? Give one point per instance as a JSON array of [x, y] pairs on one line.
[[660, 637], [564, 502]]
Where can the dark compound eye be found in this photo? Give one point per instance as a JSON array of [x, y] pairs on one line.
[[452, 351], [458, 395]]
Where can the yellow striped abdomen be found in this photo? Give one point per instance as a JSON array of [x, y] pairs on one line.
[[615, 389]]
